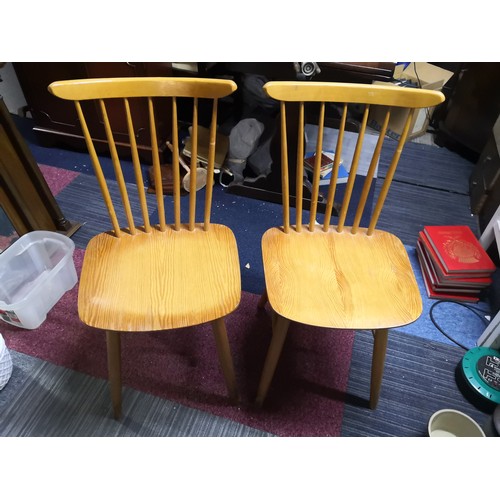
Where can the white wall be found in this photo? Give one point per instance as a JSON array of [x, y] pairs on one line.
[[10, 89]]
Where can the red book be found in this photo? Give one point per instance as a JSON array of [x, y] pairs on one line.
[[326, 162], [441, 276], [442, 295], [443, 286], [458, 250]]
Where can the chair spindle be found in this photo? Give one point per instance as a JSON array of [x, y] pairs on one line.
[[175, 167], [352, 173], [156, 166], [300, 171], [369, 176], [284, 171], [390, 173], [137, 168], [193, 166], [335, 171], [117, 168], [98, 170], [317, 169], [210, 166]]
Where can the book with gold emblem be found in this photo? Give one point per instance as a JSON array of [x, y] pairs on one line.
[[459, 250]]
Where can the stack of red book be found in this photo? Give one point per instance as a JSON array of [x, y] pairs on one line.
[[454, 264]]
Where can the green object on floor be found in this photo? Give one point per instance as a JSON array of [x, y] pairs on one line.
[[481, 371]]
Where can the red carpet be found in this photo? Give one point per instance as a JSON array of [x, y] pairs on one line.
[[181, 365], [57, 178]]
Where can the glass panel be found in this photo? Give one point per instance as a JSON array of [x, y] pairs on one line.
[[7, 232]]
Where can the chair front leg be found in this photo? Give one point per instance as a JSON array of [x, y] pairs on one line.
[[280, 330], [225, 359], [113, 342], [378, 361]]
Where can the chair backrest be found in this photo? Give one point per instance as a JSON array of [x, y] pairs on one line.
[[341, 95], [160, 95]]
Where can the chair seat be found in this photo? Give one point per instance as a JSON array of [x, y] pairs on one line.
[[340, 280], [159, 280]]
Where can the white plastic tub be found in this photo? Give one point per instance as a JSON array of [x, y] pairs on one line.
[[35, 272], [453, 423], [5, 363]]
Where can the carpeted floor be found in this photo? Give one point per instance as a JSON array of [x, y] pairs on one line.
[[72, 404], [182, 365], [321, 384], [419, 379]]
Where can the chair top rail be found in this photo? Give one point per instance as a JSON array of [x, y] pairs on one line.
[[108, 88], [388, 95]]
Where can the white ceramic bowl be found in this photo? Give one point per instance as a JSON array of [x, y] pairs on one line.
[[453, 423]]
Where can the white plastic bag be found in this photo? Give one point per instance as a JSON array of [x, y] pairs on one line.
[[5, 364]]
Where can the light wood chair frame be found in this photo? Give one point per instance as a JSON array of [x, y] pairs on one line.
[[300, 93], [126, 89]]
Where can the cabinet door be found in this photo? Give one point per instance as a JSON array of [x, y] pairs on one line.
[[485, 178], [56, 119], [48, 111], [138, 107], [473, 107]]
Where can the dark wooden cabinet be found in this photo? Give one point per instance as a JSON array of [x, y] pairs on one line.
[[56, 122], [468, 115], [484, 183]]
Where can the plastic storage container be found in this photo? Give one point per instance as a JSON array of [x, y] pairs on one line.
[[5, 364], [453, 423], [35, 272]]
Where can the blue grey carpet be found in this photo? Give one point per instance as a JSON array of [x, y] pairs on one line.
[[419, 379], [71, 404], [429, 167], [409, 208]]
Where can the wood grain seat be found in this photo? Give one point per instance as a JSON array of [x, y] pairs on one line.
[[140, 270], [340, 280]]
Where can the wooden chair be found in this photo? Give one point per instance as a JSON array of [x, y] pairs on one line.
[[146, 277], [338, 276]]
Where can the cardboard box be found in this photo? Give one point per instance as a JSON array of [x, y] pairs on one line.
[[424, 75]]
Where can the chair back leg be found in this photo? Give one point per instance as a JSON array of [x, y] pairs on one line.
[[113, 342], [378, 361], [263, 300]]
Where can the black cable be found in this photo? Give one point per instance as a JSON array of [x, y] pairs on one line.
[[475, 310], [416, 74], [420, 86]]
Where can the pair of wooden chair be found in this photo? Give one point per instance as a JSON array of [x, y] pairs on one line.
[[145, 277]]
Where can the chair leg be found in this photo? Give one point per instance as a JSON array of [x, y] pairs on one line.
[[114, 371], [263, 300], [225, 359], [280, 330], [378, 361], [274, 318]]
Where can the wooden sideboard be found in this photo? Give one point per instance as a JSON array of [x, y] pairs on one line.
[[56, 121]]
